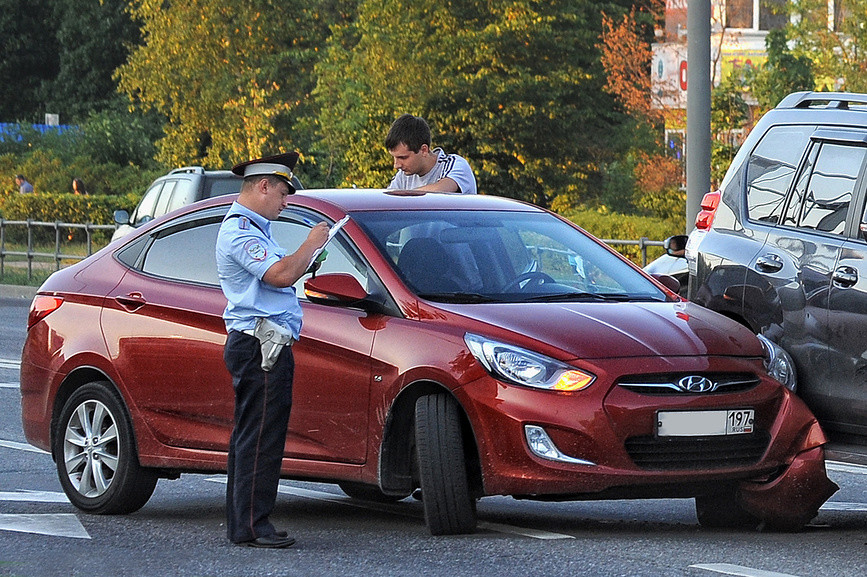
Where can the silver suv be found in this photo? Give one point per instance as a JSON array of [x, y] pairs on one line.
[[180, 187], [782, 248]]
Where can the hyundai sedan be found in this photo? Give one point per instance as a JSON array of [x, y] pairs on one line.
[[464, 345]]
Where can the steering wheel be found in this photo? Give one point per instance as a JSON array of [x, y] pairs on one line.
[[533, 278]]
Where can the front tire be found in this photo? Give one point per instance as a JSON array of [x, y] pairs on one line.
[[449, 508], [95, 453]]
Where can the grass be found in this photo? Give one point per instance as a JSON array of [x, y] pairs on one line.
[[14, 270]]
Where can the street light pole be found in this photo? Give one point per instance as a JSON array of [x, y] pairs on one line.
[[697, 107]]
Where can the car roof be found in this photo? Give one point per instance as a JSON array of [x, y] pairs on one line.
[[360, 199]]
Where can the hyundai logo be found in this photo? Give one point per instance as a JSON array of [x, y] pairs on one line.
[[696, 384]]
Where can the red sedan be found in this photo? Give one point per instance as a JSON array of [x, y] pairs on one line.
[[464, 345]]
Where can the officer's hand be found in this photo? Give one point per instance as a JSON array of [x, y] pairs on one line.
[[319, 234]]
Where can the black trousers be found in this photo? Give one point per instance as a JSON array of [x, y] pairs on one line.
[[262, 403]]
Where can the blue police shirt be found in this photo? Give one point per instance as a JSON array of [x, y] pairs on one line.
[[245, 251]]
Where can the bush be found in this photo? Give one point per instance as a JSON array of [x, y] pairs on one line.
[[604, 224]]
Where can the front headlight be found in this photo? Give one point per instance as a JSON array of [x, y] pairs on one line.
[[779, 364], [522, 367]]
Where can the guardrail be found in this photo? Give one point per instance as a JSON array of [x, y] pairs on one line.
[[61, 229]]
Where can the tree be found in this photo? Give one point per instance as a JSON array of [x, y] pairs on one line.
[[833, 43], [232, 78], [513, 86], [94, 37], [781, 74], [29, 57]]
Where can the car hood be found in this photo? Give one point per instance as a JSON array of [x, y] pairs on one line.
[[607, 330]]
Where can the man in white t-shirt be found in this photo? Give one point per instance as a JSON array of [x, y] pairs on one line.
[[420, 167]]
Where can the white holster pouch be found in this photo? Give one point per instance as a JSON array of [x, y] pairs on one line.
[[272, 337]]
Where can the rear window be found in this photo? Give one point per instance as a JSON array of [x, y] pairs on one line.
[[221, 186], [771, 169]]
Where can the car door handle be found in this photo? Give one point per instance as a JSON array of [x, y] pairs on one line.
[[769, 263], [845, 276], [131, 302]]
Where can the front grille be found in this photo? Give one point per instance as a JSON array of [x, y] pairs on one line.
[[668, 384], [696, 453]]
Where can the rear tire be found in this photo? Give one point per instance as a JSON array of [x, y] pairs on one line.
[[95, 453], [449, 508], [721, 511]]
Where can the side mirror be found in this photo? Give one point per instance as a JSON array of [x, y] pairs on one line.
[[676, 245], [668, 282], [121, 217], [339, 289]]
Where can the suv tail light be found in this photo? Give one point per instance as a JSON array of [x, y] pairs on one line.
[[41, 307], [708, 209]]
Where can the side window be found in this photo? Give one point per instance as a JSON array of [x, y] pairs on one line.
[[145, 210], [771, 169], [179, 256], [165, 198], [340, 257], [831, 187]]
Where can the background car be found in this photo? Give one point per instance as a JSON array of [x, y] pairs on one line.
[[466, 345], [782, 248], [180, 187]]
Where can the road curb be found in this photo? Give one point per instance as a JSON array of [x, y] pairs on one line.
[[8, 291]]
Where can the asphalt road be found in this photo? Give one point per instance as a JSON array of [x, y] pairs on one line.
[[180, 531]]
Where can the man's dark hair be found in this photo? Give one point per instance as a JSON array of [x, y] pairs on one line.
[[410, 130]]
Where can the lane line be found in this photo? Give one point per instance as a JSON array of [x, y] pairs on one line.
[[404, 511], [9, 364], [9, 386], [52, 524], [739, 571], [841, 506], [22, 447], [846, 467], [34, 496]]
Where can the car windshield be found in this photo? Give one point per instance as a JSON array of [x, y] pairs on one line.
[[501, 256]]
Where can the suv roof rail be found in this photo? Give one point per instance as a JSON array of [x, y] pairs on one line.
[[833, 99], [188, 170]]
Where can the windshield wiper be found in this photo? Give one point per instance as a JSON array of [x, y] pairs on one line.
[[578, 295], [460, 297]]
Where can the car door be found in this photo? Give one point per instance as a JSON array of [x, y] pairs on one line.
[[847, 320], [801, 256]]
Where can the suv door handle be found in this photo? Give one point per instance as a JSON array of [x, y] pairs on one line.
[[769, 263], [845, 276]]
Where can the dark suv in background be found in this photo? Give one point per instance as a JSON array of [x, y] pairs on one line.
[[782, 248], [180, 187]]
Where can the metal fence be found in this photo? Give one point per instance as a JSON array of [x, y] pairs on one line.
[[61, 230], [34, 257]]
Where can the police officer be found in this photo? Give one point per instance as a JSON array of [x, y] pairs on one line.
[[256, 276]]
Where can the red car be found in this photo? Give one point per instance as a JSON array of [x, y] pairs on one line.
[[466, 345]]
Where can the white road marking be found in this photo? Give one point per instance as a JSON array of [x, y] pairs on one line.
[[404, 511], [840, 506], [9, 386], [9, 364], [846, 468], [22, 447], [34, 496], [728, 569], [55, 525]]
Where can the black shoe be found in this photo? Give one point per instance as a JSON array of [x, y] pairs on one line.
[[275, 541]]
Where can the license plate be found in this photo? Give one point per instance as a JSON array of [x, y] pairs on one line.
[[701, 423]]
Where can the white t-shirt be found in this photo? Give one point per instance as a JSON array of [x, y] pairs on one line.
[[447, 166]]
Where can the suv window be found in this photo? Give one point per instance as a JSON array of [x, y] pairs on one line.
[[771, 169], [821, 198], [145, 210]]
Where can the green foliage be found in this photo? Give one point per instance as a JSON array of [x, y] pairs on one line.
[[782, 74], [68, 208], [604, 224], [28, 57], [729, 114], [836, 52], [475, 70]]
